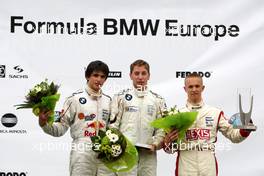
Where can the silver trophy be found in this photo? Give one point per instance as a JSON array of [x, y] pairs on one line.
[[243, 120]]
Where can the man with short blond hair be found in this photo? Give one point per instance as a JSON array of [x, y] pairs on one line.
[[132, 111], [197, 156]]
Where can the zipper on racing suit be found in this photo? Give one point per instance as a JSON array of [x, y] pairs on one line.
[[139, 119], [97, 119]]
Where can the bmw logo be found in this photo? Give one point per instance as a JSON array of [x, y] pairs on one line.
[[82, 100], [128, 97], [9, 120]]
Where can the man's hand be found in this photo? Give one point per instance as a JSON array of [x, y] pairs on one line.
[[43, 118], [167, 142], [170, 137], [153, 148]]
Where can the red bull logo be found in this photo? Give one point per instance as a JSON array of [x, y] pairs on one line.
[[91, 128]]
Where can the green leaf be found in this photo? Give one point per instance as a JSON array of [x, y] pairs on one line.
[[42, 97], [24, 106], [36, 110], [180, 121], [95, 139], [105, 141], [126, 161], [101, 133]]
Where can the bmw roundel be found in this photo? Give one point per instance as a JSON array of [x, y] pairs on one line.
[[82, 100], [128, 97]]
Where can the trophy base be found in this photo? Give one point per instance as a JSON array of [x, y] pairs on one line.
[[249, 128], [145, 146]]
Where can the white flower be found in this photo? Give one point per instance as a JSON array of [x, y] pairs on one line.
[[116, 147], [37, 89], [113, 137], [175, 112], [170, 113], [116, 150], [108, 133]]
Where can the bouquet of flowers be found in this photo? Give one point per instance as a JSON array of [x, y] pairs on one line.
[[173, 119], [42, 97], [115, 151]]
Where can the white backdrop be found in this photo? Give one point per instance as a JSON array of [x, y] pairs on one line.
[[233, 62]]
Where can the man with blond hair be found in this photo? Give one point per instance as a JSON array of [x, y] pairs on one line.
[[196, 151], [132, 111]]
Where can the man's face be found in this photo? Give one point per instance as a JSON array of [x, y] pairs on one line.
[[139, 76], [96, 80], [194, 88]]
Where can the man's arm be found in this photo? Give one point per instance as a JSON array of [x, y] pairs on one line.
[[117, 109], [235, 135], [159, 133], [58, 128]]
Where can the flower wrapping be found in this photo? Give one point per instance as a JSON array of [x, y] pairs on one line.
[[174, 119], [42, 97], [115, 150]]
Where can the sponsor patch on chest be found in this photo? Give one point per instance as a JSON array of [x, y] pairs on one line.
[[128, 97], [209, 121], [131, 109], [82, 100], [150, 110], [90, 117], [90, 129], [195, 134], [105, 114]]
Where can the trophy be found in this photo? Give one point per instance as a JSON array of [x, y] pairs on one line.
[[243, 120]]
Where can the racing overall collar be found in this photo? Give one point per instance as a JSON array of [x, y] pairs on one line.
[[194, 107], [141, 93], [93, 94]]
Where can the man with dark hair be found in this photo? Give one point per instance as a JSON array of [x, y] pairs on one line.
[[96, 66], [85, 112], [196, 152], [132, 111]]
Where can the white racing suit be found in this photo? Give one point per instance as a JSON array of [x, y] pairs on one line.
[[132, 111], [196, 155], [85, 114]]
